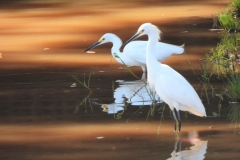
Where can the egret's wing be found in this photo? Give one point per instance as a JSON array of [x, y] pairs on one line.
[[172, 87], [165, 50], [176, 88], [136, 50]]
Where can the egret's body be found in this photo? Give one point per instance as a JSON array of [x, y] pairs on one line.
[[134, 53], [171, 86]]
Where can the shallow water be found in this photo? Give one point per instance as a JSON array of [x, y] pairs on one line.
[[45, 116]]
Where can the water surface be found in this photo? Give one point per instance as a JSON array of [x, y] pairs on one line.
[[42, 111]]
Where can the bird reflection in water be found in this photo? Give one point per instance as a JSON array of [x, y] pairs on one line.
[[196, 152], [135, 93]]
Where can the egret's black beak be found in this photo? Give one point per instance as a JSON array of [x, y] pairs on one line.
[[132, 38], [92, 46]]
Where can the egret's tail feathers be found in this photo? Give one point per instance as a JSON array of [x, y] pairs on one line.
[[201, 114], [177, 49], [183, 45], [198, 112]]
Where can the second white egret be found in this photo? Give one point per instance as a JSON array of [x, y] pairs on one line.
[[134, 54], [170, 86]]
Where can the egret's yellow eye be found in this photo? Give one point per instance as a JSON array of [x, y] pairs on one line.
[[101, 40], [140, 32]]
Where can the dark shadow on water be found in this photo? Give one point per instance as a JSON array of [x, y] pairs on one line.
[[29, 4]]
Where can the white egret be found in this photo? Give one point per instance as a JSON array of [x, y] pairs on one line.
[[134, 54], [170, 86]]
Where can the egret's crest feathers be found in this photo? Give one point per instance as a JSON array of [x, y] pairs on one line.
[[146, 27]]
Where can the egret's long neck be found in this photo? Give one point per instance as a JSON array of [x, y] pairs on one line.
[[117, 43], [151, 60]]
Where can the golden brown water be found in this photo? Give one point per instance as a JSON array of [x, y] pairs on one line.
[[42, 44]]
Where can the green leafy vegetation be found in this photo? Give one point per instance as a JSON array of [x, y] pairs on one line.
[[233, 92], [222, 60], [234, 114], [84, 83], [233, 88], [227, 21]]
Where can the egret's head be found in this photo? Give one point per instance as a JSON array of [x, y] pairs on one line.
[[146, 29], [104, 39]]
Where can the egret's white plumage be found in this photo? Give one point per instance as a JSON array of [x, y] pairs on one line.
[[171, 86], [134, 53]]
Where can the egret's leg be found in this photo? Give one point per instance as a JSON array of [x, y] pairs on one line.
[[175, 120], [143, 69], [144, 72], [144, 75], [179, 121]]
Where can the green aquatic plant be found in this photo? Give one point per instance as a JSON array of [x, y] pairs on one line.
[[222, 60], [233, 87], [236, 4], [84, 102], [234, 114], [206, 76], [234, 8], [220, 95], [213, 64], [227, 21], [84, 83], [137, 111], [229, 41], [205, 90], [207, 70], [233, 92]]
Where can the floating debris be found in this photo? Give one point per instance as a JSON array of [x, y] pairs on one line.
[[210, 127], [74, 85], [99, 137], [46, 49], [216, 30], [233, 102], [184, 32], [91, 52]]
